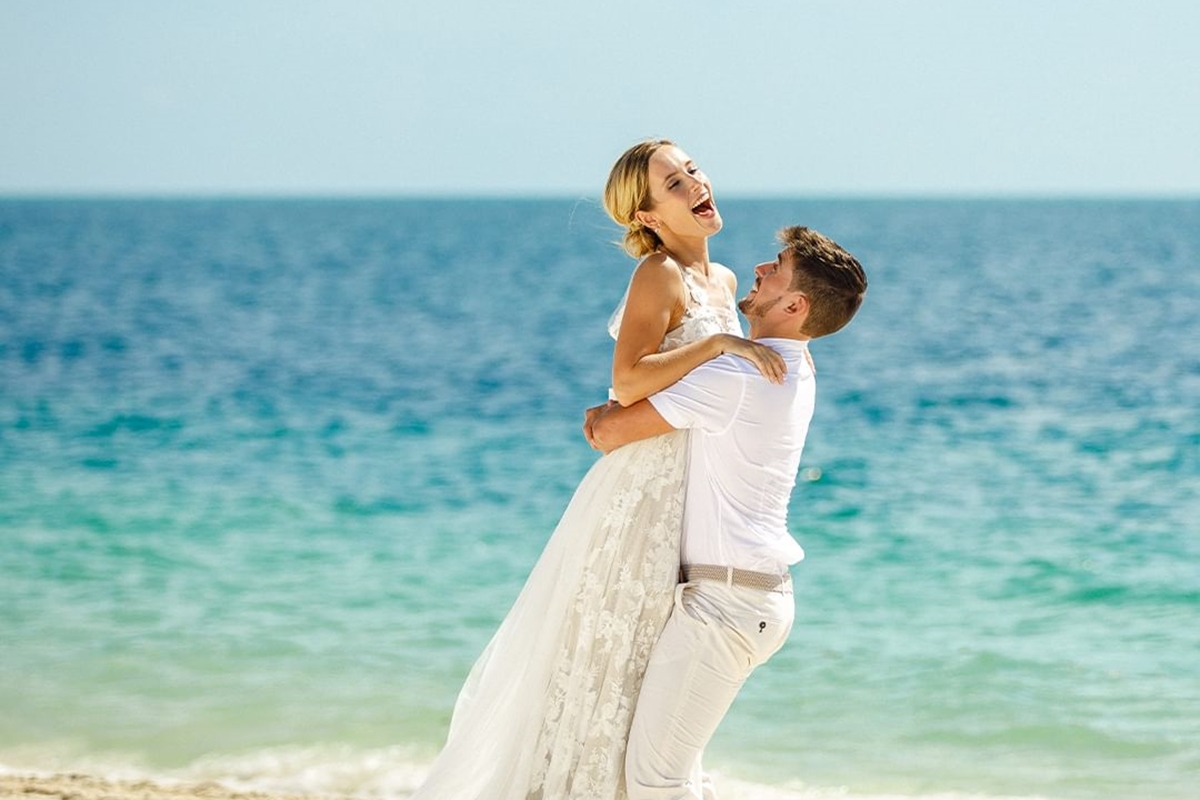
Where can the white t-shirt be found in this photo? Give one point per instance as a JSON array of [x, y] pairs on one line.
[[747, 436]]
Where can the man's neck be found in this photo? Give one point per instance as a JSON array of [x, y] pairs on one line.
[[776, 332]]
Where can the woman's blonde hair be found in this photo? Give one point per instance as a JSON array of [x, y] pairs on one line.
[[628, 192]]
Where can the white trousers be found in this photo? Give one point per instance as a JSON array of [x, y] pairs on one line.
[[716, 636]]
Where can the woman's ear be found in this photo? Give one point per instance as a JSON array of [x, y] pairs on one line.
[[647, 219]]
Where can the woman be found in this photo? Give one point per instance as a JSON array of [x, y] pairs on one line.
[[546, 709]]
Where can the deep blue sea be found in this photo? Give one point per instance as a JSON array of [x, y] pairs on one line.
[[272, 471]]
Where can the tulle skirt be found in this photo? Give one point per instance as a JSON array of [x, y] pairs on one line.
[[545, 711]]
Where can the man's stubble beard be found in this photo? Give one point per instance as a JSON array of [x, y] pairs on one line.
[[750, 308]]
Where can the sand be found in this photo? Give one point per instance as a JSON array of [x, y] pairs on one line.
[[74, 786], [85, 787]]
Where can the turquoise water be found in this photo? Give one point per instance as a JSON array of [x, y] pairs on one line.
[[271, 472]]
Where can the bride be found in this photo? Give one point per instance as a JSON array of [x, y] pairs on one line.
[[545, 711]]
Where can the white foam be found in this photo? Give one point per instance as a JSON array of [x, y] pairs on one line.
[[732, 789], [319, 770], [316, 770], [344, 771]]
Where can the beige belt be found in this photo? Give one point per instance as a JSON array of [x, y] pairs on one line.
[[732, 576]]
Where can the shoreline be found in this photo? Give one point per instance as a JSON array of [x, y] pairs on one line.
[[81, 786], [78, 786]]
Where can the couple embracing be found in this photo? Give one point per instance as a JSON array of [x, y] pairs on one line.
[[666, 580]]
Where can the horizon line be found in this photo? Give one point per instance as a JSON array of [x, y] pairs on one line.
[[519, 195]]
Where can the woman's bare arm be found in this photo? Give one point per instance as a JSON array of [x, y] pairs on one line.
[[656, 302]]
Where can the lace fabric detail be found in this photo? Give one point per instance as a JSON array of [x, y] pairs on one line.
[[546, 710], [613, 620], [702, 316]]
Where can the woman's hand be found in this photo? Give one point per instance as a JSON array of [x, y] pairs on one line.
[[589, 419], [766, 359]]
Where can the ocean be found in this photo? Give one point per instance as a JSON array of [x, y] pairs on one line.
[[271, 472]]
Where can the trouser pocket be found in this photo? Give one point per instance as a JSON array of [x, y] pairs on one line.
[[753, 624]]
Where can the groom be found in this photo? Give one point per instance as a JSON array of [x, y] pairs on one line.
[[734, 606]]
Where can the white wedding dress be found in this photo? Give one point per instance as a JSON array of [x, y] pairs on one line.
[[545, 711]]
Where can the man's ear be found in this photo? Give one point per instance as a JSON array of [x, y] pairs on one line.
[[797, 307], [798, 304]]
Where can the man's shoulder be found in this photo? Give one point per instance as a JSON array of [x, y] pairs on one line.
[[733, 363], [726, 365]]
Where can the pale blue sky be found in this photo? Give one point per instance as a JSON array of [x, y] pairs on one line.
[[1079, 97]]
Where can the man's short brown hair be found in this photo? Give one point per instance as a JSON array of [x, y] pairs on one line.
[[830, 277]]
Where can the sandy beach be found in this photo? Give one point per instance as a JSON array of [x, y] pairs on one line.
[[85, 787], [76, 786]]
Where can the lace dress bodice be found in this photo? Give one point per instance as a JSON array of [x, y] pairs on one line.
[[702, 317]]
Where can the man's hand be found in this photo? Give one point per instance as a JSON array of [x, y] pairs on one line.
[[589, 422]]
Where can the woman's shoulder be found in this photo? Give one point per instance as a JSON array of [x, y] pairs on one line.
[[656, 288], [657, 262], [659, 271]]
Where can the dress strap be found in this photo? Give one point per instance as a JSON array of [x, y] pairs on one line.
[[697, 299]]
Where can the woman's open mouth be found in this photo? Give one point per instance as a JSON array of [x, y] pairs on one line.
[[704, 208]]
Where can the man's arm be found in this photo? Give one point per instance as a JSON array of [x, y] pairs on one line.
[[619, 425]]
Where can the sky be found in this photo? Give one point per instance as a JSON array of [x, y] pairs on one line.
[[538, 97]]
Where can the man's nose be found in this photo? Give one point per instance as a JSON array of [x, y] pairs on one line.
[[761, 269]]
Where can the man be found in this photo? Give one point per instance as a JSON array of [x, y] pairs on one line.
[[734, 606]]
